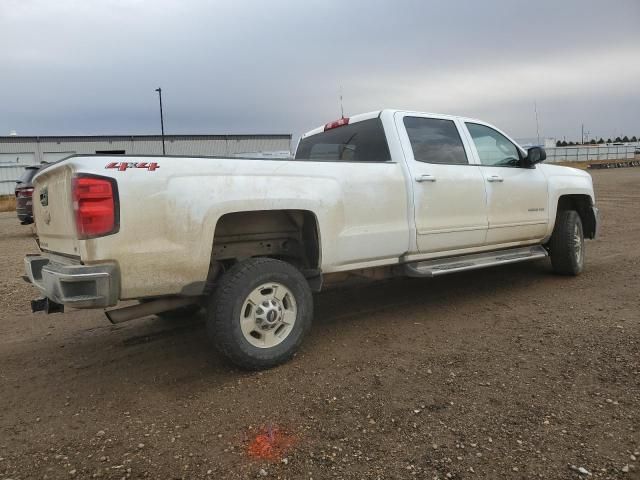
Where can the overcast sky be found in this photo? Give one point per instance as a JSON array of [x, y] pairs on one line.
[[91, 66]]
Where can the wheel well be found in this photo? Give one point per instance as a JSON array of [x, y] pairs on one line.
[[290, 235], [581, 204]]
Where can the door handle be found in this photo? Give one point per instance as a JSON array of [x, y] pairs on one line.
[[495, 178], [425, 178]]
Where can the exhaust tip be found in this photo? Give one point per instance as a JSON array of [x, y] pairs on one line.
[[106, 314]]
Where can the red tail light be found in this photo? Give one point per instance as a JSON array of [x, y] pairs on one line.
[[24, 192], [338, 123], [95, 202]]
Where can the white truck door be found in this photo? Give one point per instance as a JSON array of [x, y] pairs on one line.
[[448, 188], [516, 195]]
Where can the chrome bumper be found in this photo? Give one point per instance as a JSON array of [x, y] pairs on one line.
[[78, 286], [596, 220]]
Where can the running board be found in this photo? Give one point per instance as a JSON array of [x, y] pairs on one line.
[[440, 266]]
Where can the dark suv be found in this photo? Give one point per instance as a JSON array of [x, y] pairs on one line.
[[24, 193]]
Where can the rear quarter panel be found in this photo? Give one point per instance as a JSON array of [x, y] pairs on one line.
[[168, 216]]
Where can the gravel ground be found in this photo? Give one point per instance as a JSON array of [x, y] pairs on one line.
[[504, 373]]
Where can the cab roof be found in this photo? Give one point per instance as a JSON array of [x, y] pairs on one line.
[[377, 113]]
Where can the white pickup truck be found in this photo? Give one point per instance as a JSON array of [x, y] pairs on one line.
[[376, 195]]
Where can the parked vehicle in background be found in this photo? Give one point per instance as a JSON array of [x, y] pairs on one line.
[[24, 194], [382, 194]]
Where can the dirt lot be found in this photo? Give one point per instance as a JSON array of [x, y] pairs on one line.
[[503, 373], [7, 203]]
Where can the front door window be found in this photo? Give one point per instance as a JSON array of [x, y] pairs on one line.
[[494, 149]]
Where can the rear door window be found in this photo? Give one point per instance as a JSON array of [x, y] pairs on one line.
[[363, 141], [435, 140]]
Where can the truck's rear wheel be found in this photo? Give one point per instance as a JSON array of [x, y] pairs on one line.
[[566, 245], [260, 312]]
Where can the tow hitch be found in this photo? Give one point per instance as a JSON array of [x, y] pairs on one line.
[[46, 305]]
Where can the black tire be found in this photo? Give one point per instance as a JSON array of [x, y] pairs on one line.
[[225, 308], [566, 246]]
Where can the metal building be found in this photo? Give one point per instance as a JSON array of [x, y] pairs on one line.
[[16, 152]]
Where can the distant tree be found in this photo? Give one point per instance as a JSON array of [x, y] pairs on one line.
[[593, 141], [625, 139], [609, 140], [571, 144], [634, 139], [558, 143], [618, 140], [601, 141], [564, 143]]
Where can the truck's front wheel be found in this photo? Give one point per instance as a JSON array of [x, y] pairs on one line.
[[260, 312], [566, 245]]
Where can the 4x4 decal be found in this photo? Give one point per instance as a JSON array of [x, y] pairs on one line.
[[122, 166]]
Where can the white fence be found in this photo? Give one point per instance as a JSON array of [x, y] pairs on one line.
[[11, 169], [588, 154], [8, 176]]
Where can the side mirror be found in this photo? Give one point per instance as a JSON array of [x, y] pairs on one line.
[[535, 155]]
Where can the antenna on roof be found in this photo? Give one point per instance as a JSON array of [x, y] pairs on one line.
[[535, 109], [341, 107]]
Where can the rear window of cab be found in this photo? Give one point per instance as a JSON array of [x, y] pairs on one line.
[[363, 141]]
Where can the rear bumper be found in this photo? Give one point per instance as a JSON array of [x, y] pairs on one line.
[[24, 209], [25, 218], [78, 286]]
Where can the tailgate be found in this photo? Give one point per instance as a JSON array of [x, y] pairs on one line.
[[53, 210]]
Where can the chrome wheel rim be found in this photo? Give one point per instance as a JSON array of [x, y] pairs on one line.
[[268, 315], [577, 242]]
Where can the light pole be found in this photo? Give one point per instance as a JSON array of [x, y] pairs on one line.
[[159, 90]]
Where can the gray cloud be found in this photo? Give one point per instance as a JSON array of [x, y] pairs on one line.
[[73, 66]]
